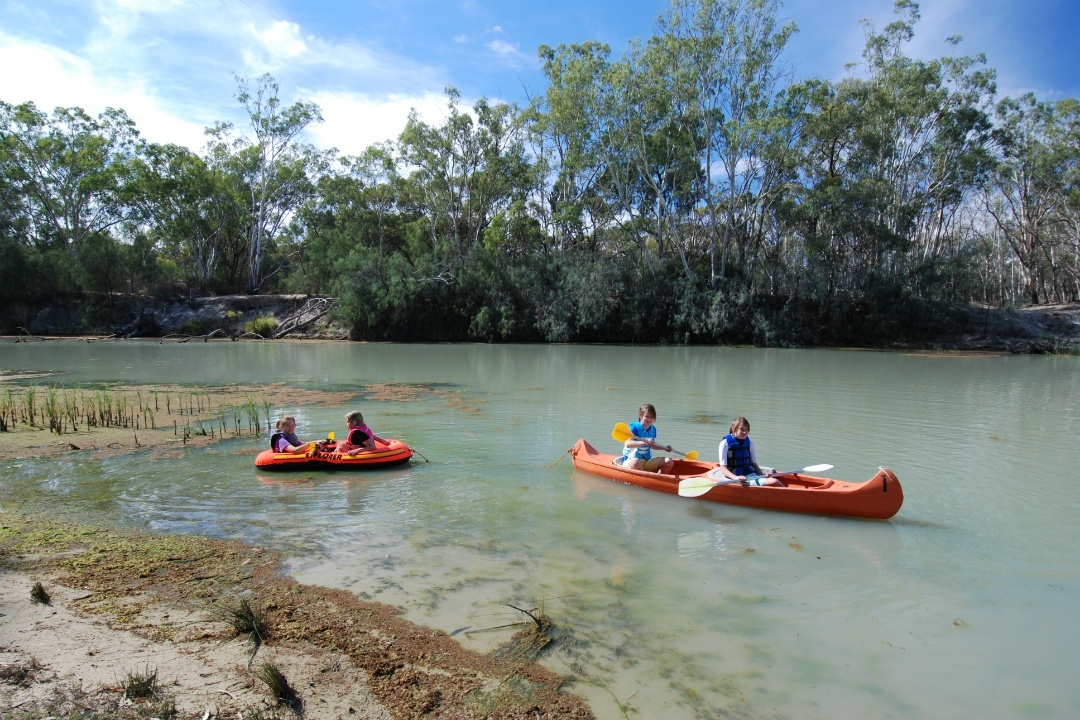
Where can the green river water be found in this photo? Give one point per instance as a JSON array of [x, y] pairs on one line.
[[963, 605]]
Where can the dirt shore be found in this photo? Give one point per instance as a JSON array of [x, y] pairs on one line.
[[120, 606]]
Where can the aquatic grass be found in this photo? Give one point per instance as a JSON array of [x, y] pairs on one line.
[[71, 405], [30, 403], [67, 409], [7, 409], [52, 410], [266, 412]]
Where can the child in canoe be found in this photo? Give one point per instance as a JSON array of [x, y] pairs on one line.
[[637, 451], [285, 439], [360, 436], [738, 459]]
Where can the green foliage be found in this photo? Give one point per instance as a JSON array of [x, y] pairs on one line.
[[677, 193], [264, 326], [198, 328]]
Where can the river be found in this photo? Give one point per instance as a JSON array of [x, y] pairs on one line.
[[963, 605]]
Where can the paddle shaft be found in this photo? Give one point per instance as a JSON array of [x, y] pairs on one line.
[[622, 434], [698, 486]]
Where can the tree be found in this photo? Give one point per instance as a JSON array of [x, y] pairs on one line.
[[465, 172], [567, 126], [891, 161], [191, 207], [278, 169], [67, 168], [720, 61], [1028, 194]]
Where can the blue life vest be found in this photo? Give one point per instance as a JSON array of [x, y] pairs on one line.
[[642, 452], [738, 455]]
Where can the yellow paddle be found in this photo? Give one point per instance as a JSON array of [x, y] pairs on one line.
[[622, 434]]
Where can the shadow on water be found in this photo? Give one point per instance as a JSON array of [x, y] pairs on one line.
[[904, 521]]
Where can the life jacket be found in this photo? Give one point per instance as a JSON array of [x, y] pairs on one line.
[[289, 437], [738, 455], [642, 452], [363, 430]]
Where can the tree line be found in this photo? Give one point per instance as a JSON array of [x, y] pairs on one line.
[[687, 190]]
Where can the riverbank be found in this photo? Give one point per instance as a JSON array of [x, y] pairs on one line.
[[974, 327], [115, 611]]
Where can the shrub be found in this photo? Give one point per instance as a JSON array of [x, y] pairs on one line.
[[264, 326]]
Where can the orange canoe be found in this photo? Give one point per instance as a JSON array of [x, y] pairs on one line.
[[394, 453], [880, 497]]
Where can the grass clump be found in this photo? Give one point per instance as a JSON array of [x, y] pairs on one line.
[[278, 685], [246, 620], [141, 685], [73, 702], [20, 674], [39, 594]]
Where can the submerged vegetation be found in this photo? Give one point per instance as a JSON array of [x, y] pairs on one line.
[[689, 176], [67, 409]]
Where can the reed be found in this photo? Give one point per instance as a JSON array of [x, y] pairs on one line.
[[71, 405], [66, 409], [30, 403], [7, 410], [52, 410]]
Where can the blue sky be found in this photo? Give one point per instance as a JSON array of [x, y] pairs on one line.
[[171, 63]]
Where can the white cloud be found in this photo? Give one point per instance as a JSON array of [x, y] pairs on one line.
[[169, 64], [53, 78], [504, 49], [280, 42], [353, 122]]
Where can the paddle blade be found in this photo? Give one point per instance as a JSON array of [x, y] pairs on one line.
[[695, 490], [695, 486], [817, 468], [622, 432], [692, 455]]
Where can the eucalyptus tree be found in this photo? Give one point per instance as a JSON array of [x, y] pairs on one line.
[[624, 177], [890, 162], [278, 169], [194, 209], [719, 62], [568, 124], [464, 172], [352, 225], [67, 169], [1031, 194]]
